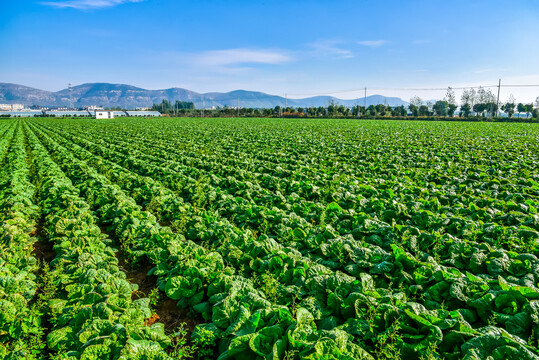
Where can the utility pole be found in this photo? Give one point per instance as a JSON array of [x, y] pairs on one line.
[[203, 106], [238, 108], [498, 99], [70, 96], [365, 99], [285, 101]]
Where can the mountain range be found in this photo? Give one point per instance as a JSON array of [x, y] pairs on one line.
[[130, 97]]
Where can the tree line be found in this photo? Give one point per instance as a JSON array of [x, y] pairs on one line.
[[478, 104]]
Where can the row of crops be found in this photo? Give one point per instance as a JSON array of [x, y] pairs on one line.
[[281, 239]]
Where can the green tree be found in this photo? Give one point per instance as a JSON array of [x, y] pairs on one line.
[[469, 97], [415, 103], [424, 110], [332, 109], [480, 108], [381, 109], [340, 110], [486, 102], [465, 110], [180, 105], [521, 108], [166, 107], [509, 106], [441, 108], [451, 102], [451, 109], [398, 111], [528, 109], [491, 108], [413, 109]]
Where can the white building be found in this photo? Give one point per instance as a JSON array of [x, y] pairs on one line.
[[11, 107], [93, 107], [104, 114]]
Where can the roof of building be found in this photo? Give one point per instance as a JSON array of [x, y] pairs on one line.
[[68, 113], [21, 113], [143, 113]]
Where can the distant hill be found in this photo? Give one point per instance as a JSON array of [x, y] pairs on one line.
[[129, 97]]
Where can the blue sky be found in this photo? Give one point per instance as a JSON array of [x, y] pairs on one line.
[[301, 48]]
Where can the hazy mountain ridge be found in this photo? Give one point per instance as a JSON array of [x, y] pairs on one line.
[[129, 97]]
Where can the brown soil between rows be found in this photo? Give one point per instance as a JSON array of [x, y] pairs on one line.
[[166, 311], [43, 251]]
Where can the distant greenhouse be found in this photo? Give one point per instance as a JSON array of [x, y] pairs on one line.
[[143, 113], [68, 113], [20, 113], [104, 114]]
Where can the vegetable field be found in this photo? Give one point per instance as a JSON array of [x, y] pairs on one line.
[[271, 238]]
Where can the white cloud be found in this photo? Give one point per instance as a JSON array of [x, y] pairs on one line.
[[373, 43], [242, 56], [330, 48], [87, 4]]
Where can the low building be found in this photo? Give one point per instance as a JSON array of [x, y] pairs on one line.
[[11, 107], [93, 108], [104, 114]]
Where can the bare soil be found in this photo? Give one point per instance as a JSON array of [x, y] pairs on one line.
[[166, 311], [44, 253]]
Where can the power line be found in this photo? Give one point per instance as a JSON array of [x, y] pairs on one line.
[[416, 89], [520, 85]]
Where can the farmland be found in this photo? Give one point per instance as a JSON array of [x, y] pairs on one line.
[[272, 238]]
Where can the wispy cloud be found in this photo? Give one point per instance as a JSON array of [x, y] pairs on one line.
[[242, 56], [87, 4], [330, 48], [373, 43]]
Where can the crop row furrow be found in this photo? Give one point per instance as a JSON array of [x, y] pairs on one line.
[[21, 326], [92, 313], [5, 141]]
